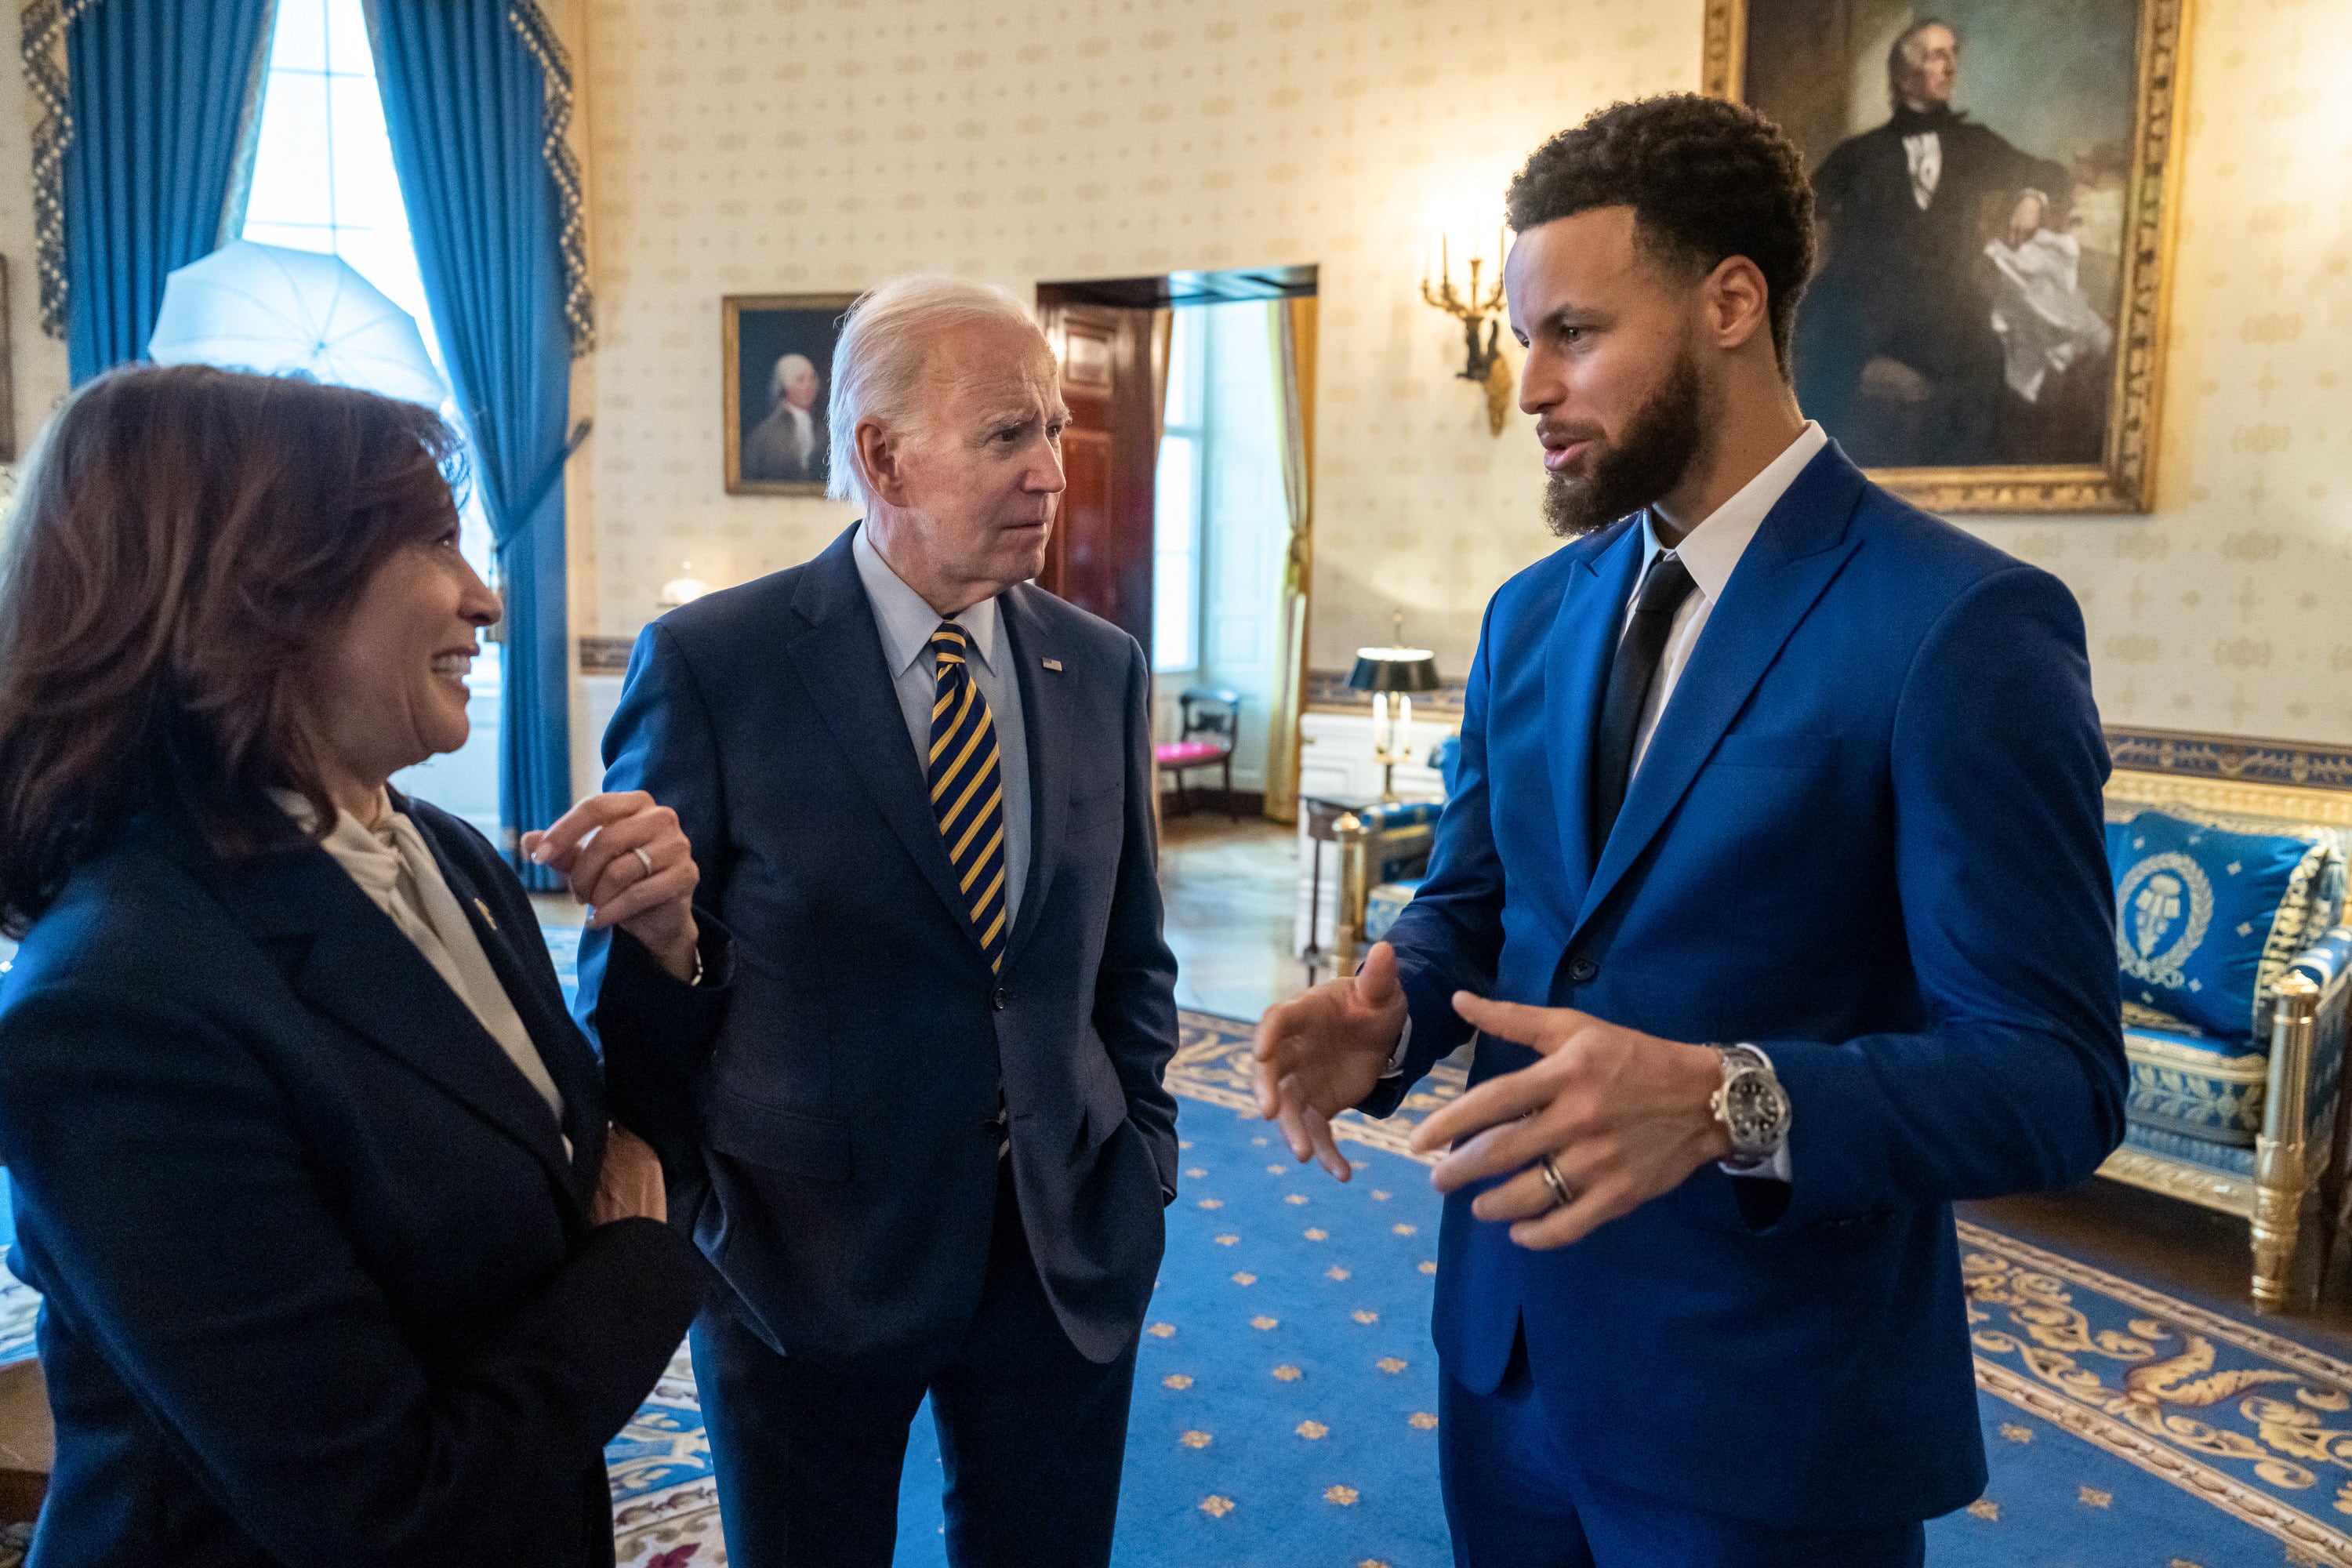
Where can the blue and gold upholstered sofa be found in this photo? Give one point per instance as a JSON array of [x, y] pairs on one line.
[[2228, 860], [2234, 972]]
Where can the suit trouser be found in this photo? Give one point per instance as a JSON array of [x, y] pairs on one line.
[[1032, 1435], [1517, 1498]]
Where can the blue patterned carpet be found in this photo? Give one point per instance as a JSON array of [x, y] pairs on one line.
[[1285, 1396]]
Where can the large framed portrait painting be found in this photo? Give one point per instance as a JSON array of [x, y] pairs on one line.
[[1994, 182], [778, 366]]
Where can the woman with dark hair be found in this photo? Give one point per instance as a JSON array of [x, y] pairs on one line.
[[340, 1262]]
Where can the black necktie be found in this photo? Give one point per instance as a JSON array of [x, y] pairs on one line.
[[1631, 675]]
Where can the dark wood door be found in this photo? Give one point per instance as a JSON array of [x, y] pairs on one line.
[[1101, 557]]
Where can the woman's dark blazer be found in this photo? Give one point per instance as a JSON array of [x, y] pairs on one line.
[[318, 1284]]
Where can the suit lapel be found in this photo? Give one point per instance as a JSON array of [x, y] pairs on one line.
[[839, 657], [565, 1051], [357, 968], [1046, 723], [1576, 661], [1796, 553]]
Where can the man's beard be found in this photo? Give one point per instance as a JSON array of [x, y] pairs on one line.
[[1659, 443]]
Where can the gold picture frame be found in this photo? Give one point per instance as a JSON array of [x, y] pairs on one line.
[[771, 328], [2123, 478]]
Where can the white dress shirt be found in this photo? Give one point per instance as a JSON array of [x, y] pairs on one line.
[[1924, 153], [907, 622]]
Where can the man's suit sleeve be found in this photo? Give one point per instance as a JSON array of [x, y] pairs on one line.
[[1135, 990], [655, 1031], [1450, 936], [2001, 861]]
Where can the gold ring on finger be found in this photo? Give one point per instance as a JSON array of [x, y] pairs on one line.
[[644, 859]]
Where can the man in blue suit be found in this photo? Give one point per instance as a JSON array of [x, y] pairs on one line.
[[928, 1147], [1774, 887]]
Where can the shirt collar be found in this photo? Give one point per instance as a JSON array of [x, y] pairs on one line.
[[905, 622], [1713, 549]]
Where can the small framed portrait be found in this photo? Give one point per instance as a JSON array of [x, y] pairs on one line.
[[1994, 185], [778, 360]]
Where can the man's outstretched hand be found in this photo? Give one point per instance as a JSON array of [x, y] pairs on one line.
[[1325, 1049], [1624, 1117]]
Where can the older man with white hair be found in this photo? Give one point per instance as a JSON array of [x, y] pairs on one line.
[[920, 1129]]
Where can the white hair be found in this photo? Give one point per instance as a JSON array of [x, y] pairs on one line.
[[784, 372], [877, 364]]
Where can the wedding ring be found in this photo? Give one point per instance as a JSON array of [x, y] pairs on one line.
[[1561, 1195], [644, 859]]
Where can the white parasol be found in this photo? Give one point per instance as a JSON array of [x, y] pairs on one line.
[[275, 312]]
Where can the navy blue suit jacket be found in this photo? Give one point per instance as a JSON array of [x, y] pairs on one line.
[[1866, 837], [319, 1284], [830, 1132]]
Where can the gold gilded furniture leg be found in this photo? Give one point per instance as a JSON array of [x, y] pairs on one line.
[[2281, 1173], [1355, 893]]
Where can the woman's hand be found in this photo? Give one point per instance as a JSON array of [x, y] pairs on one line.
[[631, 864], [630, 1184]]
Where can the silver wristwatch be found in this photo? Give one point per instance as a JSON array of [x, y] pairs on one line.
[[1751, 1106]]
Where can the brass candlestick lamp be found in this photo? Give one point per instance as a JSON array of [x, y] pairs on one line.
[[1400, 672], [1481, 363]]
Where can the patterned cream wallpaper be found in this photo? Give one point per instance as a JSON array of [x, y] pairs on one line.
[[784, 145]]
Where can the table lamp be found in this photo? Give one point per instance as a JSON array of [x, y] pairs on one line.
[[1402, 672]]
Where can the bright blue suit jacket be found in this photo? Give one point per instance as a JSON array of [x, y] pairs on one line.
[[1866, 837]]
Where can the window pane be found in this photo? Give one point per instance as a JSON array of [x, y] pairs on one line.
[[1183, 394], [299, 42], [1176, 555], [1176, 522], [289, 163], [366, 190], [1171, 619], [346, 32]]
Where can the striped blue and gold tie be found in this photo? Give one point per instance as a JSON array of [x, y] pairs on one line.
[[968, 789]]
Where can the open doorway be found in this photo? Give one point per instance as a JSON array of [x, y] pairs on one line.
[[1187, 521]]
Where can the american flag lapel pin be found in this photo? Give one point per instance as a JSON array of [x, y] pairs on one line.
[[487, 919], [1054, 665]]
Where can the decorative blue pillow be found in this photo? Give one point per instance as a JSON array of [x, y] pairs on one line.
[[2206, 917]]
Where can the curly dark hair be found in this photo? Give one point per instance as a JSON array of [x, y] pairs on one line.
[[1705, 180]]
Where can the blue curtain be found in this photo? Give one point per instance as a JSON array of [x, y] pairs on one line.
[[465, 100], [158, 91]]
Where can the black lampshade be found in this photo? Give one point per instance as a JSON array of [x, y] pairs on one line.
[[1405, 670]]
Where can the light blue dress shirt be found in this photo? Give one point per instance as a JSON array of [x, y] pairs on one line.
[[907, 622]]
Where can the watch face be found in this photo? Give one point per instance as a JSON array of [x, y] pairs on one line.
[[1756, 1112]]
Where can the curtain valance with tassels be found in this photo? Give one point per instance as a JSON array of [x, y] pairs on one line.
[[172, 89]]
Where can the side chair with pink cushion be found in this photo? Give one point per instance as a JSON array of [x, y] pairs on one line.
[[1210, 720]]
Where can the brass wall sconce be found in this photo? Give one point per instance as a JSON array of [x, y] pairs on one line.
[[1482, 363]]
